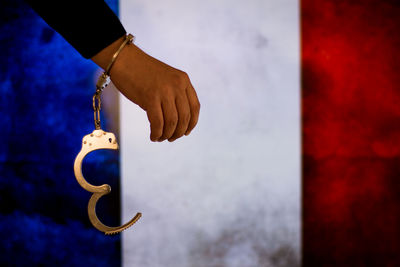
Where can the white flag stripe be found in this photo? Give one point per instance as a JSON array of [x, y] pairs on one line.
[[229, 194]]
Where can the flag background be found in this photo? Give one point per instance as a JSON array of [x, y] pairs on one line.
[[234, 185], [351, 144], [46, 92], [228, 194]]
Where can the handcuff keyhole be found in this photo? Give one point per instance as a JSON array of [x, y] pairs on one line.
[[110, 140]]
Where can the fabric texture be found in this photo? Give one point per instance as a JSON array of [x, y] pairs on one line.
[[89, 26]]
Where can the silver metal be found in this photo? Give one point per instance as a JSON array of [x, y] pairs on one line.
[[96, 109], [98, 139], [128, 40], [103, 81]]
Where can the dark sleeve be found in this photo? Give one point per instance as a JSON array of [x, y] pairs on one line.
[[88, 25]]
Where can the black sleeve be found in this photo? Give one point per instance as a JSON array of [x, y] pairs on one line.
[[88, 25]]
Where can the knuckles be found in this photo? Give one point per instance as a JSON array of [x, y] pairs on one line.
[[179, 80], [174, 85]]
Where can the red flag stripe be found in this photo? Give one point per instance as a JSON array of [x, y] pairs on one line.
[[351, 133]]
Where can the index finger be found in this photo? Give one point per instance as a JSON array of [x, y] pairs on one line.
[[155, 116], [194, 108]]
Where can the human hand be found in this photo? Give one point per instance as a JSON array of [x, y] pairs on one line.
[[165, 93]]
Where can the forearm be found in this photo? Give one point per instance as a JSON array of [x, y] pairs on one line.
[[165, 93]]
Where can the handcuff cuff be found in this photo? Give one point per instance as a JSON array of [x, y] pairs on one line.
[[96, 140]]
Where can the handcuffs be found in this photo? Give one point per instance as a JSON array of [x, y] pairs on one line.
[[100, 139]]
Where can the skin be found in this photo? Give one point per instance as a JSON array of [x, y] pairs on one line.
[[165, 93]]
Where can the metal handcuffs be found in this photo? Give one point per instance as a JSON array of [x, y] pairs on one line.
[[100, 139]]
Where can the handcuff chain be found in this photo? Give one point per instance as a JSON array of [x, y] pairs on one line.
[[104, 80], [100, 139], [97, 108]]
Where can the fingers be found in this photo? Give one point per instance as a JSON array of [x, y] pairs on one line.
[[155, 116], [174, 116], [182, 106], [170, 119], [194, 108]]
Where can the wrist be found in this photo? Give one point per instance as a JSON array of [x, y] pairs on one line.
[[103, 58]]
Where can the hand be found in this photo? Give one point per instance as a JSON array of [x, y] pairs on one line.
[[164, 92]]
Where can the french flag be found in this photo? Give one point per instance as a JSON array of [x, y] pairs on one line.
[[294, 161]]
